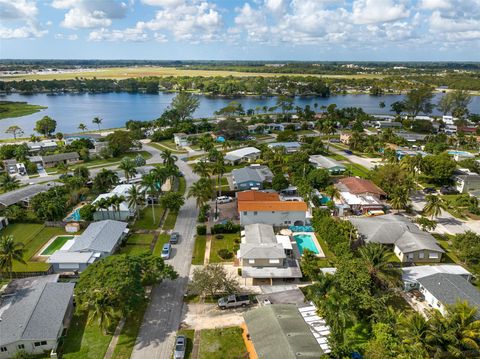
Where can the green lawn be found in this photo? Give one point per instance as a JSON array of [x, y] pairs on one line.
[[170, 221], [182, 185], [223, 343], [140, 239], [357, 170], [34, 237], [85, 341], [189, 334], [112, 160], [449, 256], [226, 242], [56, 245], [134, 249], [162, 239], [146, 220], [199, 250], [10, 109], [167, 144], [129, 333]]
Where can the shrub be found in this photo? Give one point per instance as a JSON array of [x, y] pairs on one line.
[[239, 271], [228, 227], [224, 253], [219, 236], [201, 230]]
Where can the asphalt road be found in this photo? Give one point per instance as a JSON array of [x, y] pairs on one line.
[[164, 313]]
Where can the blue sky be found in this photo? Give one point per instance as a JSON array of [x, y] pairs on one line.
[[404, 30]]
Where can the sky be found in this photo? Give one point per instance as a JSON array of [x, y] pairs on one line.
[[280, 30]]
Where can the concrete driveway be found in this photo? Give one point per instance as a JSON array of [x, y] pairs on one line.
[[368, 163]]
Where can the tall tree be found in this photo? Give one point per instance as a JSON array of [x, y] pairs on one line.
[[82, 127], [10, 251], [400, 198], [150, 188], [376, 257], [433, 206], [185, 105], [127, 165], [202, 190], [15, 131], [219, 169], [46, 126], [97, 121], [172, 201], [419, 100], [102, 312], [168, 158], [202, 169], [135, 198], [8, 183]]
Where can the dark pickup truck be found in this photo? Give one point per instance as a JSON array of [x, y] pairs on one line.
[[233, 301]]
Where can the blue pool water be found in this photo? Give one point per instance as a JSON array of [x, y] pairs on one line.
[[75, 216], [305, 241], [301, 228], [461, 153]]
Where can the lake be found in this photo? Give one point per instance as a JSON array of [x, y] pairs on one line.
[[69, 110]]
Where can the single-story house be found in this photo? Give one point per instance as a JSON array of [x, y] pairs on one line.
[[94, 137], [410, 136], [246, 154], [23, 195], [10, 166], [411, 275], [53, 160], [409, 243], [122, 213], [181, 139], [279, 331], [34, 314], [333, 166], [99, 240], [268, 208], [263, 256], [275, 126], [467, 183], [290, 147], [360, 196], [387, 124], [442, 289], [34, 147], [251, 177], [360, 186]]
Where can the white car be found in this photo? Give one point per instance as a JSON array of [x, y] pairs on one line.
[[224, 199]]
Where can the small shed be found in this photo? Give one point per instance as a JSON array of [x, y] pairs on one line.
[[72, 227]]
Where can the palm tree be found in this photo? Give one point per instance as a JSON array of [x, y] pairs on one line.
[[149, 184], [206, 143], [10, 251], [62, 167], [202, 169], [81, 171], [127, 165], [202, 190], [160, 174], [376, 257], [102, 204], [82, 127], [219, 170], [8, 183], [134, 198], [332, 192], [433, 206], [168, 158], [102, 312], [414, 334], [400, 198], [116, 201], [97, 121]]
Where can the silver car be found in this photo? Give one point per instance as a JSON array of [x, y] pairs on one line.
[[180, 347]]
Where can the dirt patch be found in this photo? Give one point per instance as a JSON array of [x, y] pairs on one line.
[[208, 316]]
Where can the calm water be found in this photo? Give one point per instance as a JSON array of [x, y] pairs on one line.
[[69, 110]]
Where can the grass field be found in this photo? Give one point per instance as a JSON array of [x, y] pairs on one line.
[[109, 161], [167, 144], [170, 221], [84, 341], [34, 237], [128, 335], [9, 109], [137, 243], [142, 71], [162, 239], [146, 218], [198, 256], [227, 242], [223, 343], [56, 245]]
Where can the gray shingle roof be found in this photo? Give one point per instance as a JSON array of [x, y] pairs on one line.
[[35, 311], [449, 288], [60, 157], [325, 162], [252, 174], [99, 236], [279, 331], [21, 194], [260, 243], [285, 144], [241, 153]]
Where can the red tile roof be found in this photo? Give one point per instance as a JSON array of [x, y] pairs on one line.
[[267, 201], [359, 185], [257, 196]]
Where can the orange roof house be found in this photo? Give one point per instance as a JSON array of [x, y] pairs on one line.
[[360, 186]]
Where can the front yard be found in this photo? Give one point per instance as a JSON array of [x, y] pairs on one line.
[[146, 220], [223, 343], [228, 243], [198, 256], [137, 243], [128, 335]]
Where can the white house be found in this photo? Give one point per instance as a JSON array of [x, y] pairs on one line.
[[467, 183], [266, 207], [122, 213], [181, 139], [290, 147], [411, 275], [246, 154], [34, 313]]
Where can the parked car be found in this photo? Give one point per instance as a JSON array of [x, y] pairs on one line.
[[348, 152], [180, 347], [429, 190], [224, 199], [174, 237], [166, 251], [234, 301], [448, 190]]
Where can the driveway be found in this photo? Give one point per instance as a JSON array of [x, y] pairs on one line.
[[207, 316], [368, 163], [164, 313]]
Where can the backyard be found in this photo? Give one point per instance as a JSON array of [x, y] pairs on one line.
[[56, 245], [226, 242]]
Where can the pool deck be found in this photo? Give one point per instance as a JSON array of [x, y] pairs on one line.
[[320, 254], [68, 244]]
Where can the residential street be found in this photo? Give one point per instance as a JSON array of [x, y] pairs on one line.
[[369, 163], [163, 315]]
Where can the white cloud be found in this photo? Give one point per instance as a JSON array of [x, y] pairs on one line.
[[21, 16], [130, 34], [90, 14], [435, 4], [163, 3], [71, 37], [377, 11]]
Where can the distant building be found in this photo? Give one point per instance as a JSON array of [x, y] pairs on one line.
[[267, 208], [23, 195], [246, 154], [54, 160], [34, 314], [181, 139], [387, 124], [99, 240], [253, 176], [290, 147], [333, 166], [35, 147]]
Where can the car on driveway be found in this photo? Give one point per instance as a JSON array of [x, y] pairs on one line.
[[224, 199], [429, 190], [234, 301], [180, 347], [166, 251], [448, 190], [174, 236]]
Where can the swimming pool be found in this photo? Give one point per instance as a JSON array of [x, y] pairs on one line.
[[461, 154], [74, 216], [301, 228], [305, 241]]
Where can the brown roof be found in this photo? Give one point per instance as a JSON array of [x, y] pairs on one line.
[[257, 196], [263, 206], [359, 185]]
